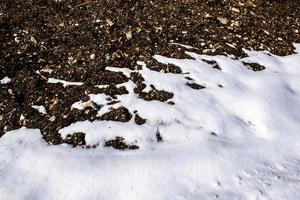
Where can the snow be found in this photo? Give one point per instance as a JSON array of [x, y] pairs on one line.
[[5, 80], [65, 83], [254, 152], [100, 100], [41, 109]]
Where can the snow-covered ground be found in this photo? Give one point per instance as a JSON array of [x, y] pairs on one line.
[[238, 138]]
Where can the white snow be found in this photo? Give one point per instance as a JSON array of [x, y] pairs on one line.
[[254, 154], [41, 109], [99, 99], [65, 83], [5, 80]]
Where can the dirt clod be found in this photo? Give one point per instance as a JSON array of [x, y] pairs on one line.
[[120, 114], [120, 144], [195, 86], [158, 136], [255, 66], [139, 120], [76, 139]]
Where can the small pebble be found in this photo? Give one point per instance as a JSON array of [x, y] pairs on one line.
[[223, 20], [235, 10], [92, 56], [52, 119], [128, 35]]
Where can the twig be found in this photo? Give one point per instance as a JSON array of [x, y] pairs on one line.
[[82, 4]]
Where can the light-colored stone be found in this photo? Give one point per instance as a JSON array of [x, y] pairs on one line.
[[92, 56], [128, 34], [235, 9], [223, 20]]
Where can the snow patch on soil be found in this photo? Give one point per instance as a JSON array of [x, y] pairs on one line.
[[41, 109], [238, 138], [65, 83], [5, 80], [98, 99]]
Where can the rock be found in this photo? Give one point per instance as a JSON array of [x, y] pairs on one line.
[[109, 22], [92, 56], [52, 119], [235, 9], [223, 20], [33, 40], [128, 35]]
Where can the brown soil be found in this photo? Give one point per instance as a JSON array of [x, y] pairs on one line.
[[195, 86], [119, 143], [255, 66], [139, 120], [76, 41]]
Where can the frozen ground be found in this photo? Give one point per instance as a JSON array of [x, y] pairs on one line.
[[238, 138]]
